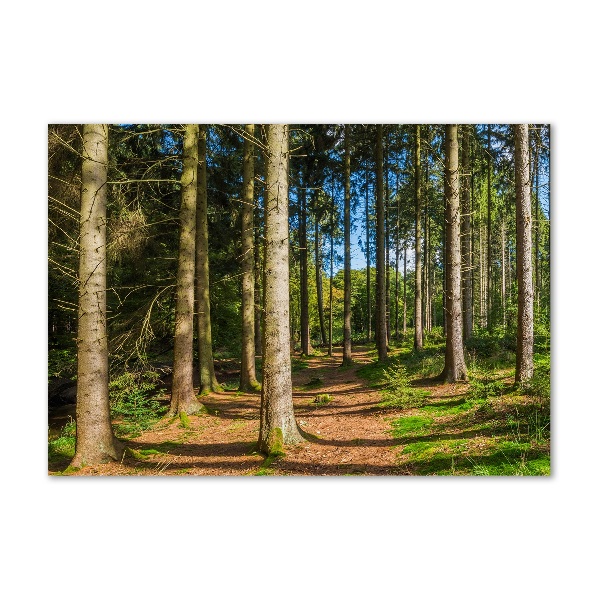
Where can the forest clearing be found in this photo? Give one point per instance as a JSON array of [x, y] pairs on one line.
[[351, 428], [206, 316]]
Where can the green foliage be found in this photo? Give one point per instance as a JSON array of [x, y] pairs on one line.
[[485, 384], [398, 392], [409, 425], [539, 385], [62, 448], [62, 363], [134, 401], [322, 399]]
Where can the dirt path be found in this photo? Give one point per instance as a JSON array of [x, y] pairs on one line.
[[347, 436]]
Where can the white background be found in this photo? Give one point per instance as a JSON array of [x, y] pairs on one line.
[[515, 61]]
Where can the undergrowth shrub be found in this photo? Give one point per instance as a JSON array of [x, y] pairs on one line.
[[134, 401], [63, 447], [397, 391], [62, 363]]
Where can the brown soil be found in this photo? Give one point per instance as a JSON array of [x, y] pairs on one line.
[[347, 436]]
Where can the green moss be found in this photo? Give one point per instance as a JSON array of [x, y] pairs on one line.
[[275, 442], [69, 470], [185, 420]]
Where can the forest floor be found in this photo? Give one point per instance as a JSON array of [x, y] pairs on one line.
[[368, 424]]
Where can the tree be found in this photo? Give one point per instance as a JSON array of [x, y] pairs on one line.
[[277, 421], [380, 324], [524, 370], [467, 289], [347, 358], [208, 381], [418, 343], [248, 381], [183, 398], [95, 440], [455, 368]]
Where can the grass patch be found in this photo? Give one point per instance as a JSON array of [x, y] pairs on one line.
[[414, 424]]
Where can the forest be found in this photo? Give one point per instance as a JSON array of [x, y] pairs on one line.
[[358, 299]]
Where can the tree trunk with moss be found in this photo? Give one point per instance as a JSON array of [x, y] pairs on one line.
[[347, 357], [95, 440], [183, 398], [524, 370], [455, 368], [380, 324], [277, 422], [248, 381], [208, 381], [418, 341]]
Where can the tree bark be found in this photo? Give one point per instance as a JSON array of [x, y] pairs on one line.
[[455, 368], [418, 341], [347, 356], [467, 296], [524, 370], [488, 285], [277, 422], [208, 381], [404, 292], [304, 316], [248, 381], [319, 281], [95, 440], [183, 398], [380, 324]]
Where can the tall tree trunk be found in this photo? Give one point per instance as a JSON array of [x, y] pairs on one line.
[[482, 302], [426, 242], [404, 292], [304, 316], [182, 391], [524, 370], [387, 243], [319, 281], [331, 226], [208, 381], [368, 248], [418, 341], [257, 287], [538, 281], [455, 368], [347, 357], [248, 381], [488, 285], [380, 325], [466, 234], [277, 421], [503, 276], [95, 440]]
